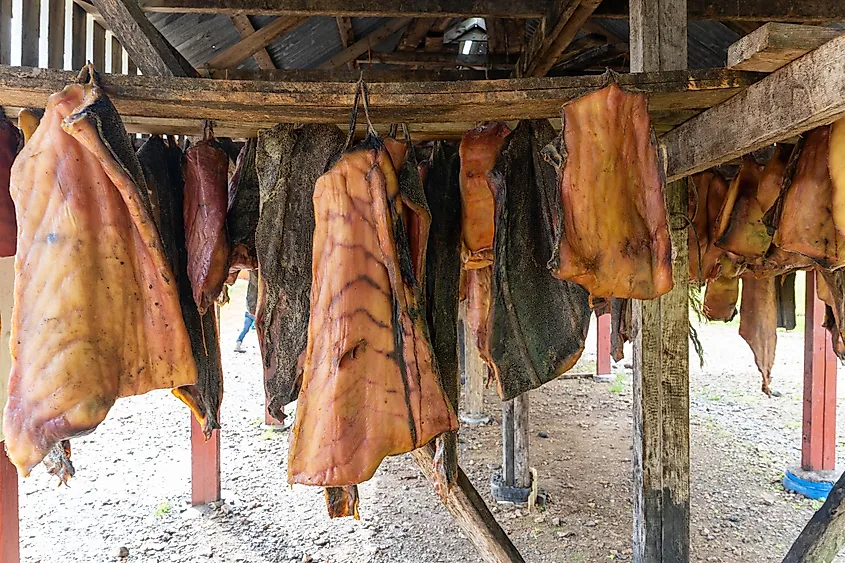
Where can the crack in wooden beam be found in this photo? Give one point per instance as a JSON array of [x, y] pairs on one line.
[[804, 94], [357, 8], [366, 44], [248, 46], [145, 44], [245, 29]]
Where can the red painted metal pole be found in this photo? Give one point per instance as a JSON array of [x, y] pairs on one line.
[[9, 527], [818, 436], [205, 465], [603, 345]]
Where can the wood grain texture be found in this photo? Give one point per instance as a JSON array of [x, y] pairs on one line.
[[358, 8], [79, 30], [30, 24], [474, 371], [471, 513], [116, 56], [99, 43], [521, 442], [774, 45], [657, 40], [808, 11], [248, 46], [245, 29], [365, 44], [804, 94], [145, 44], [824, 535], [56, 34], [5, 32], [556, 43]]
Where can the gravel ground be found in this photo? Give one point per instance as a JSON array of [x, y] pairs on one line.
[[132, 486]]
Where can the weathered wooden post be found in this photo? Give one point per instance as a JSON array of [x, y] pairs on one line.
[[661, 346], [473, 374], [513, 483], [816, 474]]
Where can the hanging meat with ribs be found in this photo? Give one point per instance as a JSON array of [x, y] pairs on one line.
[[758, 323], [614, 238], [370, 385], [707, 192], [161, 164], [10, 144], [478, 151], [206, 203], [805, 224], [538, 324], [242, 215], [111, 325], [289, 160]]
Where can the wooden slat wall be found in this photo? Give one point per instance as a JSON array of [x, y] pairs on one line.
[[99, 56], [29, 32], [5, 32], [56, 34], [79, 29]]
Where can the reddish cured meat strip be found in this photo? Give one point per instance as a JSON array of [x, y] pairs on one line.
[[10, 144], [758, 323]]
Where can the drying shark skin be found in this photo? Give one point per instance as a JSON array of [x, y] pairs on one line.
[[206, 172], [289, 161], [806, 223], [836, 163], [97, 312], [342, 501], [370, 385], [609, 162], [720, 298], [10, 144], [707, 192], [739, 227], [161, 164], [621, 327], [830, 287], [530, 346], [242, 217], [758, 323]]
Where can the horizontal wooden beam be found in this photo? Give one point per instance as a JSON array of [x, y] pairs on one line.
[[803, 11], [366, 43], [360, 8], [425, 59], [774, 45], [345, 75], [804, 94]]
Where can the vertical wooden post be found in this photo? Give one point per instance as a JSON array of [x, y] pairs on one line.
[[132, 68], [818, 435], [116, 56], [5, 32], [79, 37], [205, 465], [603, 345], [661, 347], [515, 442], [9, 520], [30, 25], [507, 443], [99, 58], [474, 372], [56, 34]]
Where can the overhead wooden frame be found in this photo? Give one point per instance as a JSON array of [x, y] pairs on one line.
[[803, 11]]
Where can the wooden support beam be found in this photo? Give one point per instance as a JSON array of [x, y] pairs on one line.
[[245, 29], [422, 59], [347, 36], [555, 42], [818, 435], [824, 535], [496, 36], [383, 8], [146, 45], [806, 93], [149, 99], [471, 513], [345, 76], [5, 32], [415, 34], [806, 11], [365, 44], [79, 37], [774, 45], [205, 465], [603, 344], [9, 519], [515, 442], [30, 24], [661, 345], [99, 41], [56, 34], [248, 46]]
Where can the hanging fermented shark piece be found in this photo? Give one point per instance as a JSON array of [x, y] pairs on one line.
[[242, 217], [836, 163], [342, 501], [161, 164], [739, 228], [206, 202], [805, 223], [707, 192], [289, 160], [370, 385], [539, 323], [621, 327], [758, 323], [442, 283], [112, 326], [614, 238], [720, 298], [830, 287], [10, 144]]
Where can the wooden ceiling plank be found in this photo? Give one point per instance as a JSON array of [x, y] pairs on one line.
[[366, 44], [245, 29], [775, 45], [806, 93], [434, 59], [146, 45], [415, 33], [248, 46], [356, 8]]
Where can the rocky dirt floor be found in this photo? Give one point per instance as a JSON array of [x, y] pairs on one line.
[[132, 486]]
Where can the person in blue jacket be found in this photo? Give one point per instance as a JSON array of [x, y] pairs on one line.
[[249, 315]]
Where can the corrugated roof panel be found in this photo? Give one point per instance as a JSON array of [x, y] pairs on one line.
[[197, 36]]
